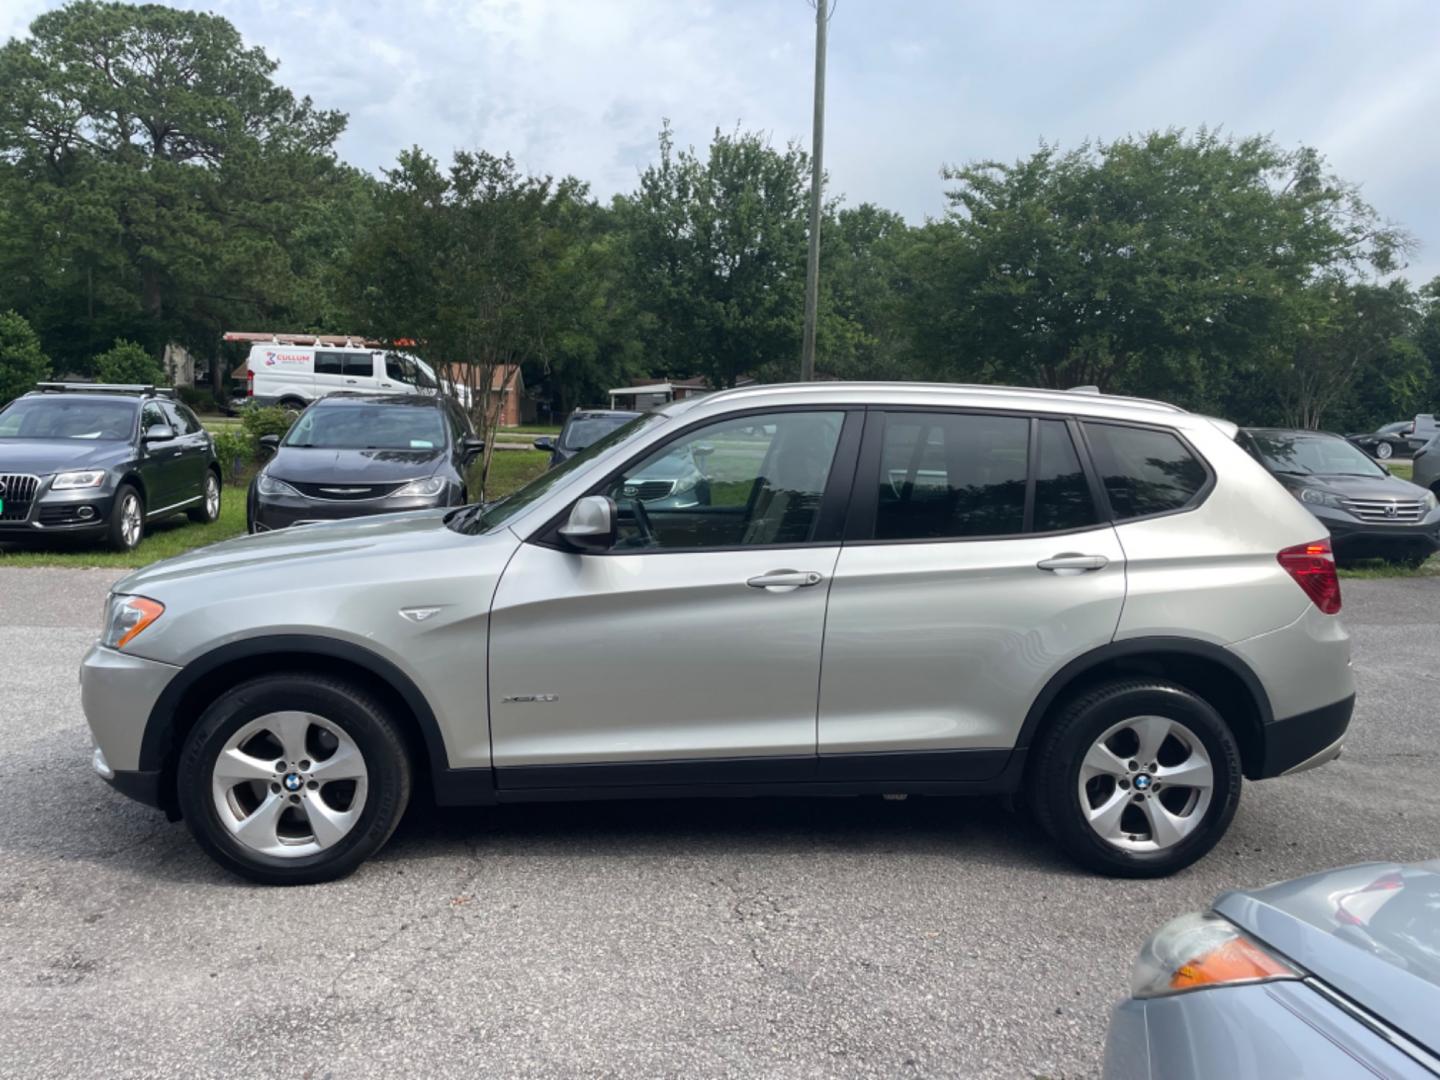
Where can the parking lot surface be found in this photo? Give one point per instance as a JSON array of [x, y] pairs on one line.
[[794, 938]]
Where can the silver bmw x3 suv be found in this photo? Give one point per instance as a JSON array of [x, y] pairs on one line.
[[1102, 606]]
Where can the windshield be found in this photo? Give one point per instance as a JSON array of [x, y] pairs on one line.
[[491, 515], [68, 418], [581, 432], [1301, 454], [368, 427]]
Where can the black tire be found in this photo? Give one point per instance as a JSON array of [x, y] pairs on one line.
[[1055, 775], [117, 535], [361, 717], [203, 515]]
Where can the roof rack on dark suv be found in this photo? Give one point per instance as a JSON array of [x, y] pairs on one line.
[[105, 388]]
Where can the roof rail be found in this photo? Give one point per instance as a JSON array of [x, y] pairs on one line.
[[968, 388], [104, 388]]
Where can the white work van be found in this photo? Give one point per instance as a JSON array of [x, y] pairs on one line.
[[292, 376]]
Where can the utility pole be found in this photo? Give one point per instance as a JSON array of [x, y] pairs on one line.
[[817, 182]]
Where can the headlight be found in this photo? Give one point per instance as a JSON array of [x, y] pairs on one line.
[[268, 485], [1201, 950], [1428, 501], [90, 478], [431, 485], [1316, 497], [126, 617]]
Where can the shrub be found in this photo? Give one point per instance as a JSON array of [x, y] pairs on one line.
[[22, 363], [266, 420], [202, 401], [127, 362], [235, 450]]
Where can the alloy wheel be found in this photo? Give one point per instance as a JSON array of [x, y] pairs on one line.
[[212, 496], [1146, 783], [130, 523], [289, 784]]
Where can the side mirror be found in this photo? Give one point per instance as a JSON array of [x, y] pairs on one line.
[[471, 446], [270, 443], [591, 526], [546, 443], [159, 433]]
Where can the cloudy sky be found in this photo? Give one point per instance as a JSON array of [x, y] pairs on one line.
[[581, 86]]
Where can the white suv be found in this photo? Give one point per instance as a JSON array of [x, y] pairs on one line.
[[1101, 605]]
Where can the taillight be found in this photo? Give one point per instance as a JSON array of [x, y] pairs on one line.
[[249, 383], [1312, 566]]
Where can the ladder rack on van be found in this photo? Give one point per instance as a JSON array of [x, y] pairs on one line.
[[344, 341]]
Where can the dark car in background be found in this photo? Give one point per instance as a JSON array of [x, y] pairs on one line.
[[100, 462], [583, 427], [1370, 514], [352, 455], [1400, 439], [1332, 975]]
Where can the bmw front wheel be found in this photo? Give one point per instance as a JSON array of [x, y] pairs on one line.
[[293, 779]]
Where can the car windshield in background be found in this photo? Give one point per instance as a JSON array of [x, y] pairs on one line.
[[581, 433], [1300, 454], [61, 418], [368, 427], [492, 515]]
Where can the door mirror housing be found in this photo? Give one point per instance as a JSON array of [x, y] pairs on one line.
[[270, 443], [546, 443], [470, 446], [159, 433], [591, 525]]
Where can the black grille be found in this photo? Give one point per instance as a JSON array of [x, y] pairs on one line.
[[17, 492], [646, 490], [340, 491]]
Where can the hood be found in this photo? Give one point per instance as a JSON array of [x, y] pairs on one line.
[[44, 456], [1371, 931], [356, 466], [1355, 487], [403, 535]]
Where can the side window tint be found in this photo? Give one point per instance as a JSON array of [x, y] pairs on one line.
[[329, 363], [748, 481], [151, 415], [946, 475], [360, 365], [176, 418], [1062, 495], [1144, 471]]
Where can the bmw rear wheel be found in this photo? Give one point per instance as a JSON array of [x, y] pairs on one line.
[[1137, 778], [293, 779]]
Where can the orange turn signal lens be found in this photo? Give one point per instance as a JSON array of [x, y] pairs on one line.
[[1237, 960], [135, 614]]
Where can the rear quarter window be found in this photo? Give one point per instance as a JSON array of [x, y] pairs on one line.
[[1145, 471]]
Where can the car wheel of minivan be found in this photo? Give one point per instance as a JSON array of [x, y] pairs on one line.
[[1136, 778], [209, 509], [127, 519], [293, 779]]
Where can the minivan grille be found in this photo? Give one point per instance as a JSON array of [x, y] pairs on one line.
[[1387, 511], [17, 492], [340, 491]]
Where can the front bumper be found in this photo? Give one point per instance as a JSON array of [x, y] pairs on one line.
[[1353, 538], [118, 693], [267, 512], [75, 512]]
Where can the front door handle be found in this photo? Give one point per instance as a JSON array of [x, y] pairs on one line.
[[1070, 563], [785, 580]]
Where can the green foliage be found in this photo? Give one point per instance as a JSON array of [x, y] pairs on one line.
[[235, 449], [127, 362], [258, 421], [202, 401], [22, 362]]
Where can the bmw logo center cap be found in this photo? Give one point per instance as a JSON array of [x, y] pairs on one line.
[[292, 782], [1142, 782]]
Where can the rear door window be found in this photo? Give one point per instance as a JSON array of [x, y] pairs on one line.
[[329, 363], [1062, 493], [360, 365], [1144, 471]]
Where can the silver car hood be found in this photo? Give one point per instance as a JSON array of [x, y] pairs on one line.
[[1371, 931], [404, 534]]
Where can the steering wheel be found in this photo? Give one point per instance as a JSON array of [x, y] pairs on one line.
[[645, 531]]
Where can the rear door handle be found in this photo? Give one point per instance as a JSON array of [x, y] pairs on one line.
[[1071, 563], [785, 580]]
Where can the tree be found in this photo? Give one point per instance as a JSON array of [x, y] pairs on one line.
[[158, 173], [464, 263], [861, 285], [716, 251], [1162, 264], [22, 362], [128, 363]]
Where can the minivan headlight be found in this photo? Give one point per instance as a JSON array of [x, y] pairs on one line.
[[1201, 950], [68, 481], [1316, 497], [431, 485], [126, 617], [268, 485]]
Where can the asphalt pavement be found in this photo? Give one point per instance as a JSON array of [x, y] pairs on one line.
[[764, 938]]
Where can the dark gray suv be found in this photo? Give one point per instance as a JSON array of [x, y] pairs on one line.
[[101, 461]]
